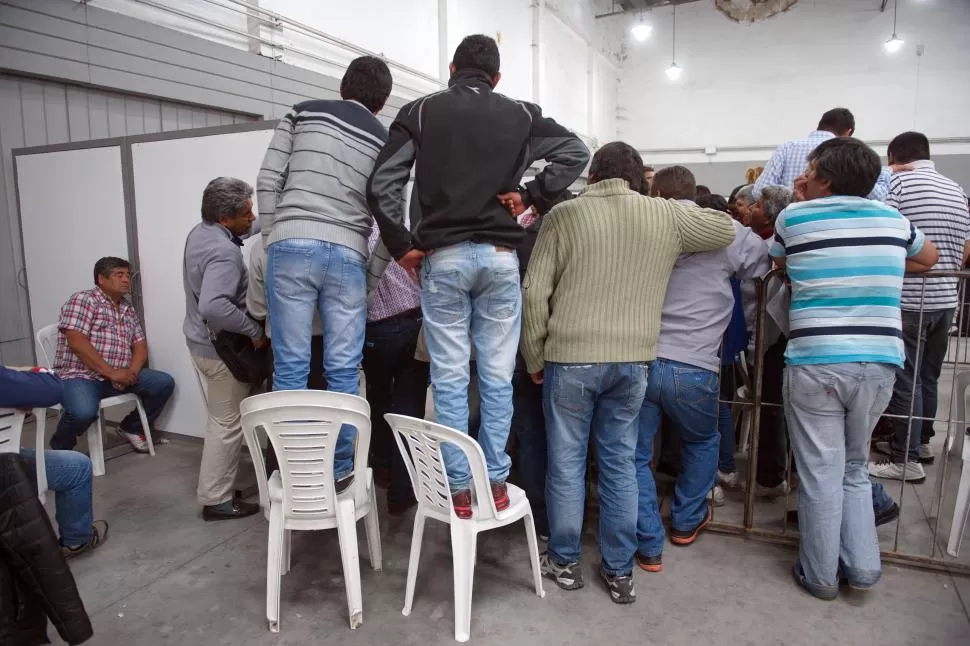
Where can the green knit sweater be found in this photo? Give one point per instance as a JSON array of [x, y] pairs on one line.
[[598, 275]]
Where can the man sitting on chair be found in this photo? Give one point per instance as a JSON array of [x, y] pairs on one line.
[[101, 352]]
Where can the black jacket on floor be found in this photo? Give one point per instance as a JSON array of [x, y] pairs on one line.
[[35, 582], [470, 144]]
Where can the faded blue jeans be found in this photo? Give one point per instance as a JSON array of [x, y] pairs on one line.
[[69, 477], [688, 395], [831, 411], [470, 293], [602, 399], [303, 277]]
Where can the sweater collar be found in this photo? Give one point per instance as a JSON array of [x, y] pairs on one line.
[[608, 187], [471, 77]]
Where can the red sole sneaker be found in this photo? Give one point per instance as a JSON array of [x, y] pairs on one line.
[[650, 564], [686, 538], [462, 502], [500, 493]]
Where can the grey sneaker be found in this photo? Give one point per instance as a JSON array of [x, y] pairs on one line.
[[567, 577], [99, 534], [620, 587]]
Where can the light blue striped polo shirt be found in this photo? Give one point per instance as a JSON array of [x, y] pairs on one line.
[[846, 257]]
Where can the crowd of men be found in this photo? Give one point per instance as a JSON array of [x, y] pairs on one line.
[[603, 319]]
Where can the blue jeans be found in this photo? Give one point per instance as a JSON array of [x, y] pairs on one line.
[[471, 290], [881, 501], [689, 396], [831, 411], [82, 397], [921, 373], [303, 277], [69, 477], [605, 399], [529, 426]]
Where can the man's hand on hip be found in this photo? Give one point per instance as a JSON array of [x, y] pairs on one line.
[[411, 261]]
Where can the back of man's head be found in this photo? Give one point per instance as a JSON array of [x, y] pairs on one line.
[[674, 183], [838, 121], [848, 165], [617, 160], [367, 81], [908, 147], [713, 201], [703, 191], [477, 52]]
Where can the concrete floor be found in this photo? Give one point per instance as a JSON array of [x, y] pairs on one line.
[[167, 577]]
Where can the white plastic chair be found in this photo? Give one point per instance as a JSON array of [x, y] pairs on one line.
[[425, 465], [303, 426], [47, 340], [11, 429], [961, 509]]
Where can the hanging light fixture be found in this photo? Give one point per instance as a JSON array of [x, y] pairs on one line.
[[641, 30], [895, 43], [674, 71]]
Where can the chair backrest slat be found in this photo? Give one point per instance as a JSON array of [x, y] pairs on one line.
[[11, 426], [303, 427]]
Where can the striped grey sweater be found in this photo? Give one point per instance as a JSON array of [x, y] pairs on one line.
[[313, 180], [598, 274]]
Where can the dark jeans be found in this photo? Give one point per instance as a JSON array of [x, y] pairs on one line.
[[932, 334], [773, 437], [396, 383], [529, 430], [725, 420], [82, 398]]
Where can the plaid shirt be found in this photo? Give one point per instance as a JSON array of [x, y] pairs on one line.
[[111, 330], [395, 293]]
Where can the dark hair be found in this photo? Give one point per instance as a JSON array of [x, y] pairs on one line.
[[713, 201], [909, 147], [108, 264], [734, 193], [837, 121], [477, 52], [702, 190], [618, 160], [675, 183], [367, 80], [850, 166]]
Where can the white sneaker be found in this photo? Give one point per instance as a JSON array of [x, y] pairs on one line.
[[729, 480], [773, 492], [717, 494], [910, 472], [137, 441]]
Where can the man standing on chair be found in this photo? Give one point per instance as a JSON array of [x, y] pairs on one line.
[[101, 352], [472, 146], [215, 281]]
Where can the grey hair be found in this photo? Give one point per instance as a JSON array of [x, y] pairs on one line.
[[745, 193], [224, 197], [775, 199]]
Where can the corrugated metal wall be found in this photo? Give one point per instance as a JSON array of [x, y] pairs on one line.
[[37, 112]]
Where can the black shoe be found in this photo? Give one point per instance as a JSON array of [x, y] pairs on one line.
[[685, 537], [340, 486], [567, 577], [239, 509], [620, 587], [887, 516], [650, 563]]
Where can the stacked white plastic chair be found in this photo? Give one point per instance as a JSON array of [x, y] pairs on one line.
[[426, 467], [302, 426], [47, 340], [960, 447]]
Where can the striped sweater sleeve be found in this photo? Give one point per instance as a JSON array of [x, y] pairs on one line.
[[539, 284], [702, 229], [272, 173]]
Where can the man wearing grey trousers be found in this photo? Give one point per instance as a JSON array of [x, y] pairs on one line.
[[215, 282]]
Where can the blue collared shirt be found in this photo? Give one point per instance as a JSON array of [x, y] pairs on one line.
[[791, 160]]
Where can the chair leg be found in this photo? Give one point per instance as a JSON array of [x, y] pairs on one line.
[[373, 529], [347, 535], [40, 418], [463, 552], [96, 446], [530, 534], [274, 564], [145, 427], [960, 512], [417, 535], [287, 550]]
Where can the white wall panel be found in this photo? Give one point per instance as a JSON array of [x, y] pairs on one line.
[[165, 217], [68, 229], [565, 89]]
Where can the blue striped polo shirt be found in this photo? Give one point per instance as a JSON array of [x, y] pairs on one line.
[[845, 257]]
